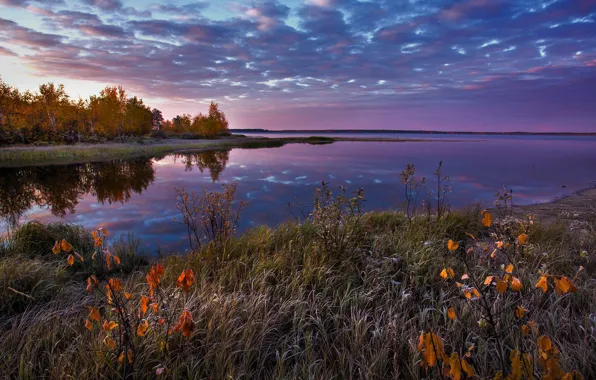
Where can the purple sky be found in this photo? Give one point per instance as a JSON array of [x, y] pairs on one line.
[[490, 65]]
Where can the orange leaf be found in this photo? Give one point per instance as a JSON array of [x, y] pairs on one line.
[[99, 242], [79, 256], [185, 323], [109, 326], [525, 330], [88, 325], [144, 303], [520, 311], [516, 369], [523, 239], [109, 342], [501, 286], [468, 369], [509, 268], [128, 355], [488, 280], [500, 244], [447, 273], [70, 260], [115, 284], [65, 246], [487, 219], [143, 327], [94, 314], [451, 314], [542, 284], [56, 248], [185, 280], [451, 245], [127, 296], [544, 343], [564, 285], [116, 259], [515, 284], [455, 366]]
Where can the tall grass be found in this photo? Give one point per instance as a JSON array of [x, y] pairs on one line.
[[275, 304]]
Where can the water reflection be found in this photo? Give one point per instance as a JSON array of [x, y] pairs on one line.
[[59, 189], [214, 161], [138, 196]]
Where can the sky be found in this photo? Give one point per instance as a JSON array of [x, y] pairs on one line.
[[482, 65]]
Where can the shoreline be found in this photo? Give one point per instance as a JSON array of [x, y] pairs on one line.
[[29, 155], [575, 207]]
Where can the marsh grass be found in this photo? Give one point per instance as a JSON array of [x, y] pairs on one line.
[[100, 152], [274, 303]]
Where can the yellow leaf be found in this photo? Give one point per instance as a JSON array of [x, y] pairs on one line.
[[542, 284], [455, 366], [451, 314], [468, 369], [520, 311], [65, 246], [501, 286], [70, 260], [56, 248], [515, 284], [94, 314], [487, 219], [447, 273], [451, 245], [143, 327], [523, 239], [88, 325], [509, 268]]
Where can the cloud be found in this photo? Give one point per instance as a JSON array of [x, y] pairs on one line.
[[270, 56], [17, 35], [7, 52], [106, 5]]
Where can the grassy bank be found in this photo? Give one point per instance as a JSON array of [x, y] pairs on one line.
[[64, 154], [307, 301]]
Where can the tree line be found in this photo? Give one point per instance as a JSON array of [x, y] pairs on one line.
[[50, 115]]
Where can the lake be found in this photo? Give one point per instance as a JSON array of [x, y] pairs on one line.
[[138, 196]]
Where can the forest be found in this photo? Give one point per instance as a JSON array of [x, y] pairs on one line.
[[51, 116]]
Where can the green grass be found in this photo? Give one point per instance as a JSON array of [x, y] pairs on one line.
[[272, 304]]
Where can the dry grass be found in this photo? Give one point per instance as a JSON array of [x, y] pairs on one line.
[[273, 304]]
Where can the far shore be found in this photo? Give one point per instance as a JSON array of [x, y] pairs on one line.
[[27, 155]]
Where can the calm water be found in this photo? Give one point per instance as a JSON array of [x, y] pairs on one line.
[[138, 195]]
